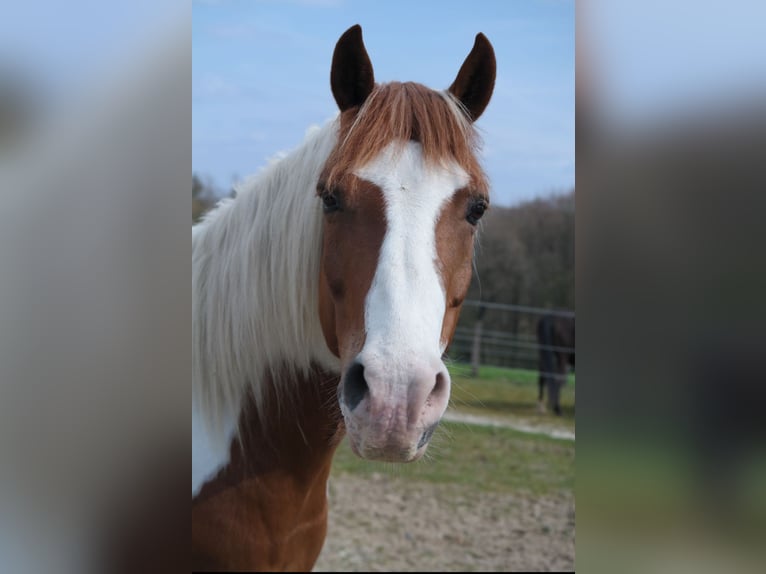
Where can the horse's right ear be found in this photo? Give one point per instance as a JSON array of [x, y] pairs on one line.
[[351, 76]]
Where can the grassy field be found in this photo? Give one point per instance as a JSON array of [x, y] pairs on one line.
[[486, 458], [489, 458], [508, 392], [490, 373]]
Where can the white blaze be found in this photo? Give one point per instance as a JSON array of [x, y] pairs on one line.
[[405, 306]]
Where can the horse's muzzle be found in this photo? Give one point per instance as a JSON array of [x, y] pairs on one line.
[[391, 415]]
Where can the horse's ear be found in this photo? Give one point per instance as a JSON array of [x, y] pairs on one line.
[[351, 76], [476, 79]]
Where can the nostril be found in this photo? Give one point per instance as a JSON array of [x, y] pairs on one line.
[[440, 387], [354, 386]]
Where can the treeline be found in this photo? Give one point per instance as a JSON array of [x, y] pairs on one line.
[[204, 196], [525, 255]]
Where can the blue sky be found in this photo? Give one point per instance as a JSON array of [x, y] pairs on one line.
[[261, 78]]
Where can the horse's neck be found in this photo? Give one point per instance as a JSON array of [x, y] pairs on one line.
[[294, 432], [267, 509]]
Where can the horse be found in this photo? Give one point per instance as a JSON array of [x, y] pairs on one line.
[[324, 296], [556, 343]]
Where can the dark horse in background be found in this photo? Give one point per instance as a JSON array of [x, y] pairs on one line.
[[556, 340]]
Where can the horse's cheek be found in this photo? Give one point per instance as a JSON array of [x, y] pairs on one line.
[[327, 316]]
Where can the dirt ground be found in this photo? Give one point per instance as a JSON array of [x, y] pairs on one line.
[[389, 523]]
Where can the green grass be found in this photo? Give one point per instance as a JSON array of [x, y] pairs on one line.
[[491, 373], [507, 392], [484, 458]]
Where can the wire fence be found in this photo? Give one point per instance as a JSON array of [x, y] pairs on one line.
[[503, 335], [519, 308]]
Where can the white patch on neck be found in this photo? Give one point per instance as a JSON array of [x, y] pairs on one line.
[[209, 455], [405, 306]]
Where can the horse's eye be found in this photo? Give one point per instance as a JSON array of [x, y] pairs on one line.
[[330, 202], [475, 210]]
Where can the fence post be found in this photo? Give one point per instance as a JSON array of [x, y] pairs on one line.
[[476, 349]]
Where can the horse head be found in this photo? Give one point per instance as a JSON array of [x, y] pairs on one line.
[[402, 193]]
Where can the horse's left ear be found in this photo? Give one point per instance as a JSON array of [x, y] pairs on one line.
[[476, 78], [351, 75]]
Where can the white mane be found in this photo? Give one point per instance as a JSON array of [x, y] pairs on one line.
[[255, 272]]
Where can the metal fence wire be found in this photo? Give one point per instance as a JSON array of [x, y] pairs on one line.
[[502, 335]]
